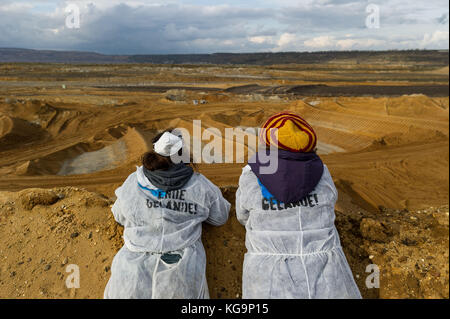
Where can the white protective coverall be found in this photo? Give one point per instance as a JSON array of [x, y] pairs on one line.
[[155, 224], [293, 251]]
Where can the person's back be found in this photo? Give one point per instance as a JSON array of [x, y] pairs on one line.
[[160, 221], [162, 212], [293, 246]]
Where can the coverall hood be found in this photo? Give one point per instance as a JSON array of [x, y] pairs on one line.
[[296, 176], [167, 180]]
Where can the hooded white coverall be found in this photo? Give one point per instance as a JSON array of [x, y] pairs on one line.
[[156, 223], [293, 251]]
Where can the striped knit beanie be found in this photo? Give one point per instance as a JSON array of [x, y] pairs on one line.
[[294, 133]]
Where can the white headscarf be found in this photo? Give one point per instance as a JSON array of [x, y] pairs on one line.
[[168, 144]]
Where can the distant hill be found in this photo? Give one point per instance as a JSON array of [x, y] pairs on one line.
[[47, 56], [435, 57]]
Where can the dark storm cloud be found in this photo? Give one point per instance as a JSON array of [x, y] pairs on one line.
[[443, 19], [122, 28], [148, 27], [340, 15]]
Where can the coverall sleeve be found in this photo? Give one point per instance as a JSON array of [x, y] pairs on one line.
[[118, 216], [219, 207], [242, 213], [117, 209]]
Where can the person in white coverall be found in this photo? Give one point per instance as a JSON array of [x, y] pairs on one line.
[[293, 247], [162, 206]]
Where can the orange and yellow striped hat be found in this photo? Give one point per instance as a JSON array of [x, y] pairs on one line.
[[294, 134]]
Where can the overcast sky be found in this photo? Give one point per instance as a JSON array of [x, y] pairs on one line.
[[201, 26]]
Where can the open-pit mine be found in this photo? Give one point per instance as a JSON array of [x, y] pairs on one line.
[[71, 133]]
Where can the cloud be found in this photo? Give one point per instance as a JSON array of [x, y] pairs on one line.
[[261, 39], [435, 40], [286, 39], [443, 19], [321, 42], [189, 26], [346, 43]]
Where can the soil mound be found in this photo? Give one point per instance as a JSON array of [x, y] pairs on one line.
[[414, 135], [44, 231], [106, 158], [15, 132], [176, 95], [53, 163], [410, 250], [55, 120], [417, 107], [91, 156], [32, 197], [443, 70], [232, 119], [35, 111]]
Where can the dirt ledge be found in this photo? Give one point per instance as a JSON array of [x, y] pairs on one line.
[[69, 225]]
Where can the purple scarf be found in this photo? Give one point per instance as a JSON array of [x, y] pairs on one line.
[[297, 175]]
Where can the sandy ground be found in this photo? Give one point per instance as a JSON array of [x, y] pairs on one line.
[[73, 145]]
